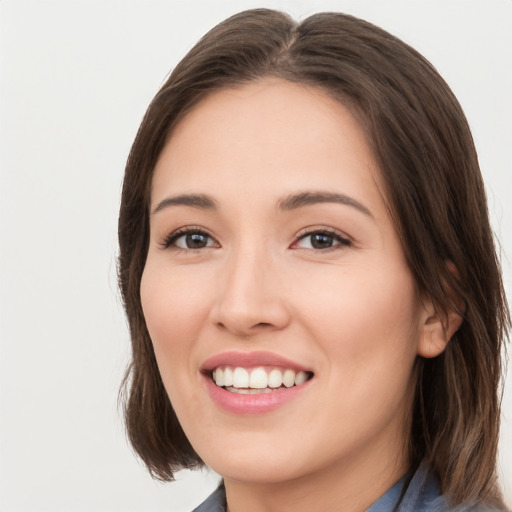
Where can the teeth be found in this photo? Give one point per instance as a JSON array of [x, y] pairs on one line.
[[248, 391], [275, 378], [257, 380], [228, 377], [300, 378], [219, 377], [240, 378], [289, 378]]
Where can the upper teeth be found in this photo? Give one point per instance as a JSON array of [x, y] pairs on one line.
[[257, 378]]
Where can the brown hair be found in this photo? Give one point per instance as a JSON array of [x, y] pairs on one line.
[[425, 151]]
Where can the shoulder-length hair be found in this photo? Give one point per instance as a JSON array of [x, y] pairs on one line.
[[424, 148]]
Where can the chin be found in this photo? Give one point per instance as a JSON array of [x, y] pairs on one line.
[[254, 458], [268, 471]]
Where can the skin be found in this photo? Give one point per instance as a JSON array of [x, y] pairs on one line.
[[351, 312]]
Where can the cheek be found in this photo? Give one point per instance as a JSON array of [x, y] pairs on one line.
[[367, 328], [171, 301], [174, 312], [364, 316]]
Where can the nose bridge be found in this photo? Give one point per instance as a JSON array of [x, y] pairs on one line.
[[249, 297]]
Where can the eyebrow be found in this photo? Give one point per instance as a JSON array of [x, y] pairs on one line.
[[201, 201], [302, 199], [291, 202]]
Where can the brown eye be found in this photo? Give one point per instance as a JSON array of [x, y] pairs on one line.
[[195, 240], [319, 240], [191, 239]]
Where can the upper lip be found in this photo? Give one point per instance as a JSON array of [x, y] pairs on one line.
[[250, 359]]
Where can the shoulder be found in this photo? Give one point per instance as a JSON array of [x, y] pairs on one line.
[[216, 502], [423, 494], [477, 508]]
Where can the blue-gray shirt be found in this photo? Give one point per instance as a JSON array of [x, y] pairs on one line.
[[419, 493]]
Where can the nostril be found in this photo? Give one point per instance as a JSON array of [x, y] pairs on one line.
[[242, 330]]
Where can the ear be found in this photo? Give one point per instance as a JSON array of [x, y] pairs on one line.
[[437, 329]]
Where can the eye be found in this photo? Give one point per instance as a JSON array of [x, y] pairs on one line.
[[321, 240], [187, 238]]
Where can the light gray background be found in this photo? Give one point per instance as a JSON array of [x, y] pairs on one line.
[[75, 80]]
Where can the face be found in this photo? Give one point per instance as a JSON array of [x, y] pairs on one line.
[[275, 269]]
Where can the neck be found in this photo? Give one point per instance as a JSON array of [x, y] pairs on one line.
[[352, 487]]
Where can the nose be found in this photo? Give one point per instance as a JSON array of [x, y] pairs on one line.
[[251, 298]]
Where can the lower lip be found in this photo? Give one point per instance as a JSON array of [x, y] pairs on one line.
[[259, 403]]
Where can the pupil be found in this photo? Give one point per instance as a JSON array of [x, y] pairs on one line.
[[196, 241], [320, 241]]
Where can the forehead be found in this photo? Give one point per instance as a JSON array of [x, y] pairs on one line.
[[264, 136]]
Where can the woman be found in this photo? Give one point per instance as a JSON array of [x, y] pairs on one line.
[[308, 270]]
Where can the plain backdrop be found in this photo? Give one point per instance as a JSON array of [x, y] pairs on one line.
[[75, 80]]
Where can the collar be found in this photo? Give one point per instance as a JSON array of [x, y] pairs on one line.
[[416, 491]]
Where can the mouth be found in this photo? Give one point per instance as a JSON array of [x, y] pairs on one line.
[[255, 382], [252, 381]]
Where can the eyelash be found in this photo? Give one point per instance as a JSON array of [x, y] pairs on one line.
[[342, 240], [172, 238]]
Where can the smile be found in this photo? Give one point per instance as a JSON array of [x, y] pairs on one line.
[[257, 380], [249, 383]]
